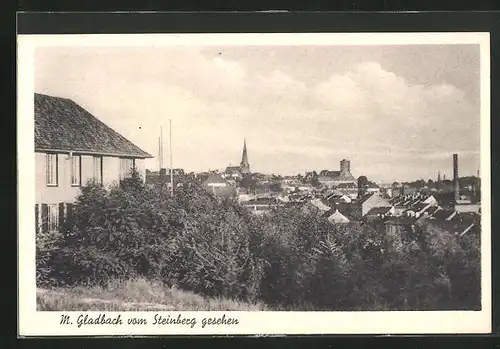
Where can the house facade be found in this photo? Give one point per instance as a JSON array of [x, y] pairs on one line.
[[73, 147]]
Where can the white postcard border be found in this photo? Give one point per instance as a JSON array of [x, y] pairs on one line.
[[33, 323]]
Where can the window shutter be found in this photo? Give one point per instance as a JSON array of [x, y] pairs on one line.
[[69, 213], [36, 218], [45, 218], [61, 214]]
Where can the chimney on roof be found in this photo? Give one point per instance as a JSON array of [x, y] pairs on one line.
[[456, 184]]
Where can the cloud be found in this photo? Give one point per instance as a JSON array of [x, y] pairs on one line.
[[367, 113]]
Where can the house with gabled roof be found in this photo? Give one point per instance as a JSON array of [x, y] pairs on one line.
[[336, 217], [216, 185], [381, 213], [72, 147], [418, 209], [317, 205], [369, 201]]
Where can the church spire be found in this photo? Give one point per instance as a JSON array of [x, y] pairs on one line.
[[245, 166]]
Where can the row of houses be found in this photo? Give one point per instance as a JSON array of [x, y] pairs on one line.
[[398, 215], [438, 216]]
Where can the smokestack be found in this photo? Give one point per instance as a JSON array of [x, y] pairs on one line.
[[456, 184]]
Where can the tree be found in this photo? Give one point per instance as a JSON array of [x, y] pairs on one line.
[[362, 184], [248, 182], [430, 183], [362, 181], [315, 181], [275, 187]]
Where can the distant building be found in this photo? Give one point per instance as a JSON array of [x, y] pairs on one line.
[[370, 201], [332, 179], [337, 217], [260, 206], [233, 172], [338, 197], [162, 177], [348, 189], [381, 213], [372, 188], [468, 208], [243, 169], [317, 205], [456, 224], [218, 186]]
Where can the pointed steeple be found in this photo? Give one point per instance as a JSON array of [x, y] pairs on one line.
[[244, 165], [439, 177]]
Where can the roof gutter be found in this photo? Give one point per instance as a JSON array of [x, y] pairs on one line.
[[89, 152]]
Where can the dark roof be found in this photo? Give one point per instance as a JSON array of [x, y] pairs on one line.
[[396, 201], [378, 210], [327, 214], [328, 173], [363, 198], [345, 209], [432, 209], [232, 169], [401, 221], [214, 178], [262, 201], [442, 214], [346, 186], [459, 223], [418, 207], [61, 124]]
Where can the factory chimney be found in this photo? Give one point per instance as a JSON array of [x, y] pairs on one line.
[[456, 183]]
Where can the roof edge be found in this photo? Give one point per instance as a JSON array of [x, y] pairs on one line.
[[146, 155]]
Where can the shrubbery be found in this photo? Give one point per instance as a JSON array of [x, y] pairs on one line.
[[289, 259]]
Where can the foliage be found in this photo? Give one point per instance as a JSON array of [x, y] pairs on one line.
[[288, 259]]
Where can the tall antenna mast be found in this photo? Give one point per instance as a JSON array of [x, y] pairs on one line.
[[171, 168], [159, 154], [161, 147]]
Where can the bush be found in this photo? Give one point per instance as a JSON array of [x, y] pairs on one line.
[[188, 239], [288, 259]]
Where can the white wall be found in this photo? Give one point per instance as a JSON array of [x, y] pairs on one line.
[[64, 191], [140, 165], [110, 170]]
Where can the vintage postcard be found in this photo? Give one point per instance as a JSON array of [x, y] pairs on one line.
[[254, 184]]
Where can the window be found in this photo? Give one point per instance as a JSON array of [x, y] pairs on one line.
[[98, 169], [75, 170], [53, 218], [126, 167], [51, 169]]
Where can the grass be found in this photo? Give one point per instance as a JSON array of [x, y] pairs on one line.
[[134, 295]]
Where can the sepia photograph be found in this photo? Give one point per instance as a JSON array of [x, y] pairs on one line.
[[329, 176]]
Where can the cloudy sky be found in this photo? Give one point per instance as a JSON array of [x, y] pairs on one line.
[[397, 112]]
